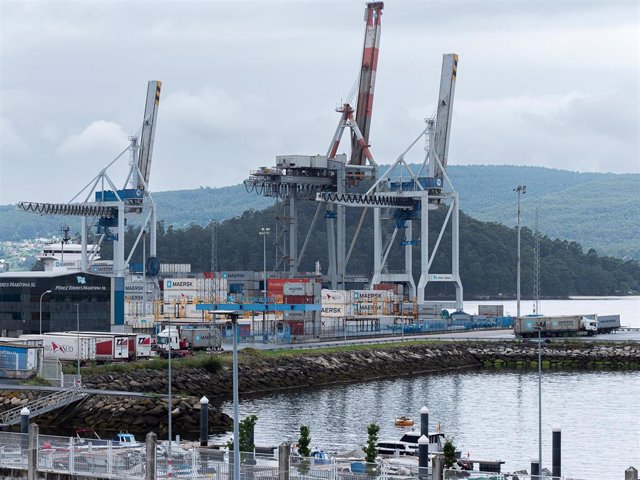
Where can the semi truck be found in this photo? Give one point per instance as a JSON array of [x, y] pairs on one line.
[[189, 337], [556, 326]]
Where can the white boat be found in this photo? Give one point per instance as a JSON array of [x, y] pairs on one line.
[[67, 257], [408, 443]]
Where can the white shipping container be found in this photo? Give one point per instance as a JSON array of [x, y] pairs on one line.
[[177, 296], [335, 297], [368, 309], [364, 296], [336, 310], [180, 284], [301, 289]]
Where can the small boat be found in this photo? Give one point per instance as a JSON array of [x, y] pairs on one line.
[[403, 421]]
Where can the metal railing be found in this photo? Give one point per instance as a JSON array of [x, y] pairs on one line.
[[43, 405], [470, 475]]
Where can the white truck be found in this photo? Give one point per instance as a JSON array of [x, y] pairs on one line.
[[189, 337]]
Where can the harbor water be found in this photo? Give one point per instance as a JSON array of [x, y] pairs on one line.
[[489, 415]]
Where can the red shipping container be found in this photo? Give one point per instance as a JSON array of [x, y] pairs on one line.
[[275, 286], [296, 327], [385, 286], [298, 299]]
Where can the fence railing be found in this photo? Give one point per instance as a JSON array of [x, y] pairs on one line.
[[113, 460]]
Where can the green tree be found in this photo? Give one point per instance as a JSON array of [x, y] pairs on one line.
[[246, 429], [304, 441], [449, 451], [370, 449]]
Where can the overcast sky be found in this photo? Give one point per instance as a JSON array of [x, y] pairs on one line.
[[547, 83]]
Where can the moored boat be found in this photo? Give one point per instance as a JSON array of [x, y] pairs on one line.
[[404, 421]]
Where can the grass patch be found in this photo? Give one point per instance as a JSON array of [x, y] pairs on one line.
[[206, 361], [38, 381]]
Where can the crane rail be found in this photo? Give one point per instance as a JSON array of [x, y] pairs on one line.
[[76, 209], [357, 199]]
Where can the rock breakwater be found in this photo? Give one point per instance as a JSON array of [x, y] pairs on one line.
[[262, 372]]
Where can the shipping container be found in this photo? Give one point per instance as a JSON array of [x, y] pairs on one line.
[[297, 289], [491, 310], [275, 286], [335, 297], [370, 296], [336, 310]]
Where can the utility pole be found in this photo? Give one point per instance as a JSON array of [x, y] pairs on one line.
[[536, 269], [520, 190]]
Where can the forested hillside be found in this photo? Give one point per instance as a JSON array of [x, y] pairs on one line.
[[597, 210], [487, 257]]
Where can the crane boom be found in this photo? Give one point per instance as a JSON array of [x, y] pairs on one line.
[[444, 110], [148, 133], [373, 14]]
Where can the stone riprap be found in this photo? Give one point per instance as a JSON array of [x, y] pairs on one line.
[[261, 373]]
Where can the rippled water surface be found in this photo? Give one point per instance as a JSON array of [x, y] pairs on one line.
[[490, 415]]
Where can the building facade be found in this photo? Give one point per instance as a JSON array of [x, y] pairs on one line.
[[70, 298]]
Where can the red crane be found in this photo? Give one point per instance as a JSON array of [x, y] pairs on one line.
[[373, 14]]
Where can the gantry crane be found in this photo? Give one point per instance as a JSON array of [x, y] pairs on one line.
[[411, 199], [302, 177], [110, 206]]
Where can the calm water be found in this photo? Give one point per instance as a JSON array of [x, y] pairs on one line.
[[490, 415]]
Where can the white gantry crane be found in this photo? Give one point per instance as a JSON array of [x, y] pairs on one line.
[[302, 176], [109, 206], [410, 196]]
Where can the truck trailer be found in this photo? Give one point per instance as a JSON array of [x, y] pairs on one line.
[[555, 326], [608, 323], [190, 337]]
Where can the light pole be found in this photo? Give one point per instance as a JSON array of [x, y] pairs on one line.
[[78, 335], [43, 294], [521, 190], [539, 327], [264, 231], [236, 400]]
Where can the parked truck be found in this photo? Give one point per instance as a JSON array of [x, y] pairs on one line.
[[189, 337], [556, 326], [608, 323]]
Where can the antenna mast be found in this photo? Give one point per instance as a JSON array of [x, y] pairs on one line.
[[536, 269]]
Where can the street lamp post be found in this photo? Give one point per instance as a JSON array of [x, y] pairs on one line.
[[521, 190], [540, 398], [264, 231], [539, 328], [236, 400], [43, 294], [78, 335]]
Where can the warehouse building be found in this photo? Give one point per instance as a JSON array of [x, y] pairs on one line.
[[57, 301]]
